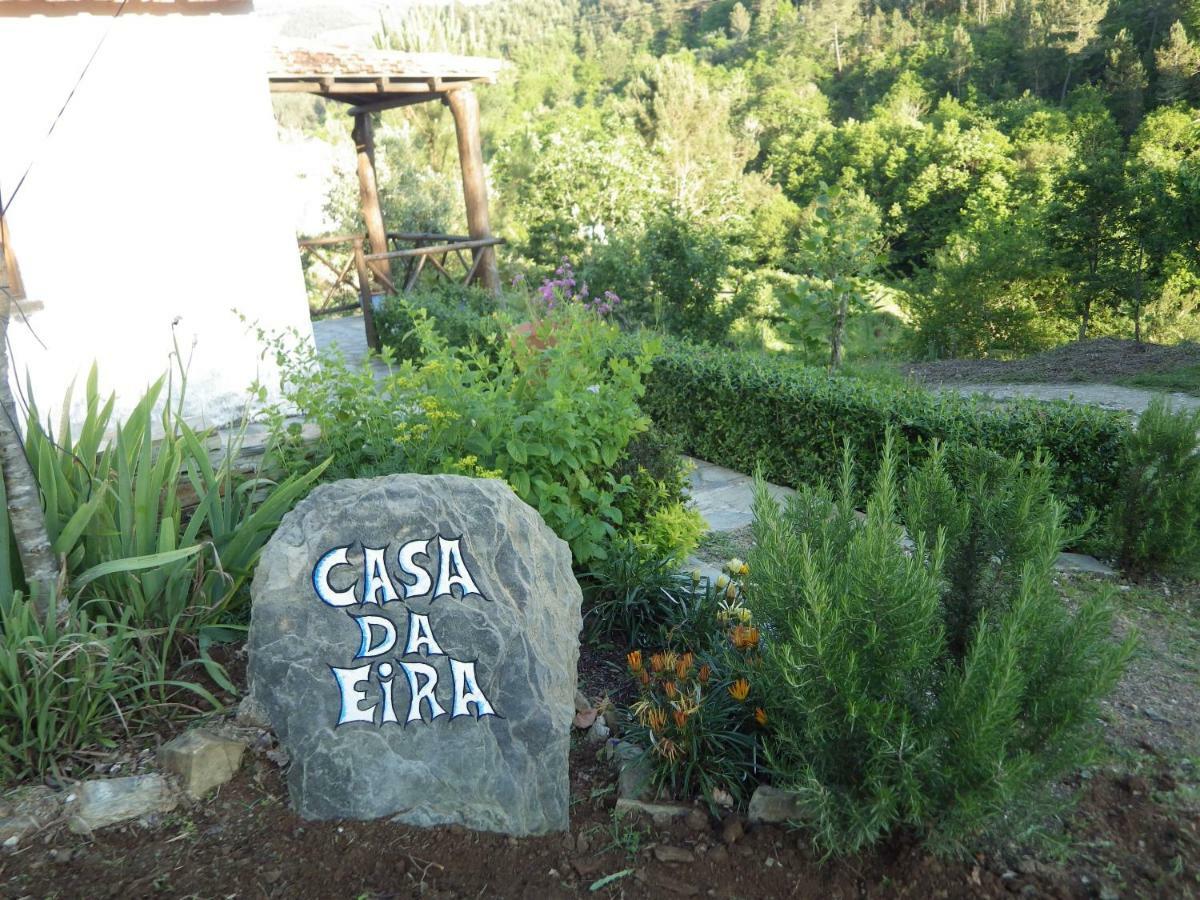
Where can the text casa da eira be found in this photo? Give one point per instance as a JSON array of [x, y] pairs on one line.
[[368, 691]]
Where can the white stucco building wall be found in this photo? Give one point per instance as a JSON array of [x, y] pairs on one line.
[[156, 208]]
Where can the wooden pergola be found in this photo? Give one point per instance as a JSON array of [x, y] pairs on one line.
[[370, 82]]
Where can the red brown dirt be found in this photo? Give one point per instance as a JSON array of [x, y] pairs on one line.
[[1135, 837]]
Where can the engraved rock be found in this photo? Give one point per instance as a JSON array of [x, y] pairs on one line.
[[413, 643]]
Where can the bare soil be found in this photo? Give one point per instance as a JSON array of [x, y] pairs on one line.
[[1135, 832], [1098, 360]]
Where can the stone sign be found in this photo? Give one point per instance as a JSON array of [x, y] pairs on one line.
[[413, 643]]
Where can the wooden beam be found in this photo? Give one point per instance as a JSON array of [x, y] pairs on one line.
[[464, 106], [368, 87], [392, 102], [364, 294], [481, 244], [368, 195]]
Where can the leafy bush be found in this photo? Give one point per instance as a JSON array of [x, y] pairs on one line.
[[549, 411], [749, 411], [461, 316], [654, 507], [888, 704], [1155, 520]]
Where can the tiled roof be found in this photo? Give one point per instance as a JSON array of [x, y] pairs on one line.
[[299, 62]]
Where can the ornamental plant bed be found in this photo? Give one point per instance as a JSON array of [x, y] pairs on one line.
[[1130, 836]]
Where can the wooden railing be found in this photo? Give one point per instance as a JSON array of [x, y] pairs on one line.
[[338, 272]]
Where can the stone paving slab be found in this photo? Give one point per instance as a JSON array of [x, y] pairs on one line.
[[725, 499]]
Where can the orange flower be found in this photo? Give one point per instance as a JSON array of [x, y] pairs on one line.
[[760, 715], [657, 662], [670, 689], [657, 719], [704, 673], [740, 690], [644, 677], [684, 665], [635, 660], [743, 637], [680, 719], [667, 748]]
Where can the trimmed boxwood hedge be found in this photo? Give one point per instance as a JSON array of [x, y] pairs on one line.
[[744, 410]]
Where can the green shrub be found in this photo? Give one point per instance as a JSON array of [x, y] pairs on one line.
[[884, 711], [633, 597], [461, 316], [549, 412], [749, 411], [1155, 518], [654, 507]]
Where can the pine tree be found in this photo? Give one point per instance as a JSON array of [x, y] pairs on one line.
[[1126, 81], [1177, 63], [739, 22]]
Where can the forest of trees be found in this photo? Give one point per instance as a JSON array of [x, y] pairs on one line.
[[984, 177]]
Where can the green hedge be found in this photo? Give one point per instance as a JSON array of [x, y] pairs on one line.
[[743, 410]]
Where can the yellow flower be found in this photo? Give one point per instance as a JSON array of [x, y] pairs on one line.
[[656, 719], [635, 660], [760, 715], [740, 690], [680, 719], [734, 566], [670, 689]]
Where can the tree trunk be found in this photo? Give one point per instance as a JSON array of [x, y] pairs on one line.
[[837, 48], [24, 496], [839, 332], [1085, 320], [1066, 81]]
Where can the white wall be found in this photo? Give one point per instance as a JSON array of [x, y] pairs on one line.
[[159, 199]]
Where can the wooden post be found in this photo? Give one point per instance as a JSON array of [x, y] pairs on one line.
[[364, 294], [368, 193], [464, 106]]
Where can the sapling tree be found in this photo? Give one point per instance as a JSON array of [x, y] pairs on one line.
[[841, 248]]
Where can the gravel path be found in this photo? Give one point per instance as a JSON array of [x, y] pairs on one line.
[[1108, 396]]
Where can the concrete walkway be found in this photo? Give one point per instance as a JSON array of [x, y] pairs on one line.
[[725, 499]]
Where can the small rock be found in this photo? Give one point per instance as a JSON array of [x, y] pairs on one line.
[[1027, 866], [97, 804], [667, 854], [582, 843], [585, 868], [1154, 716], [251, 714], [568, 842], [633, 779], [582, 703], [732, 831], [771, 805], [598, 733], [667, 811], [611, 719], [697, 820], [718, 854], [27, 809], [584, 718], [202, 760]]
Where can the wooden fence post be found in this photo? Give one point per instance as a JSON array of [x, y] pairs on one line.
[[464, 106], [364, 293]]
